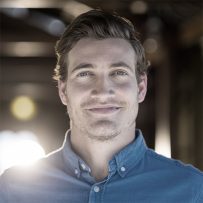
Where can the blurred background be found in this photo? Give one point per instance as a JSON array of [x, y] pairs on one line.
[[32, 119]]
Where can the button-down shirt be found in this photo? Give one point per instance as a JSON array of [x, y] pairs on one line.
[[136, 175]]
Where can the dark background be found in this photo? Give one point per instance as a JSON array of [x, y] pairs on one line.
[[171, 31]]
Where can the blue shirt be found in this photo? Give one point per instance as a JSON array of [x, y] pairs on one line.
[[136, 175]]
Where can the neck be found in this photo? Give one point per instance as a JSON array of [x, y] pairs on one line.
[[96, 153]]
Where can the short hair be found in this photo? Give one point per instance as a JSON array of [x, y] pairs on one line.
[[99, 25]]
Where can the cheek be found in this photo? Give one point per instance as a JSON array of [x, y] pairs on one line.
[[76, 95], [129, 90], [79, 88], [131, 100]]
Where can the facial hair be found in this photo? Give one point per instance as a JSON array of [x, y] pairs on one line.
[[102, 129]]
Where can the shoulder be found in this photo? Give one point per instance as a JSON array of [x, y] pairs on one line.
[[40, 169], [32, 182], [177, 175], [176, 167]]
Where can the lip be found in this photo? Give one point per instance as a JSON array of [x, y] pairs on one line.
[[104, 109]]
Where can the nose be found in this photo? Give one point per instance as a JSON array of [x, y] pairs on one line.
[[103, 88]]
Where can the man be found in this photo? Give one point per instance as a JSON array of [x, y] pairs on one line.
[[101, 73]]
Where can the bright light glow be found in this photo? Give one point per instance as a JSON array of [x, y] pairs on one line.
[[74, 8], [150, 45], [28, 49], [138, 7], [23, 108], [163, 142], [28, 4], [19, 149]]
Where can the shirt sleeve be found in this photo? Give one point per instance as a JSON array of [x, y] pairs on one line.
[[3, 191]]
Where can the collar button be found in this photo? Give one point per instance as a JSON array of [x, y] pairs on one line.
[[123, 169], [83, 166], [76, 171], [96, 188]]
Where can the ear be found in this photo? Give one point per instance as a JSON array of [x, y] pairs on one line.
[[142, 88], [62, 92]]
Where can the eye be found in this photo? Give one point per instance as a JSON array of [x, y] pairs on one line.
[[84, 74], [119, 73]]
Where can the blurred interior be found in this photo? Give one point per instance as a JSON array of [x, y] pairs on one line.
[[171, 117]]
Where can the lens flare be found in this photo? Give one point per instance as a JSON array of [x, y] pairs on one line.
[[18, 149]]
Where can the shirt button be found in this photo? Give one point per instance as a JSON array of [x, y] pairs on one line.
[[83, 166], [123, 169], [96, 189], [76, 171]]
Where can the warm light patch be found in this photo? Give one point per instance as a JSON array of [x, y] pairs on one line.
[[162, 142], [23, 108]]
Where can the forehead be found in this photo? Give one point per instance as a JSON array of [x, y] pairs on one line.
[[101, 51]]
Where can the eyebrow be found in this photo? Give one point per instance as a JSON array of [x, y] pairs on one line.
[[82, 66], [89, 65], [121, 64]]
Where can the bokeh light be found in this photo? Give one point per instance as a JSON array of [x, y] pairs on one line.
[[23, 108], [150, 45], [139, 7]]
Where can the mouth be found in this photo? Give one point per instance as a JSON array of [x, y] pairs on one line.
[[104, 110]]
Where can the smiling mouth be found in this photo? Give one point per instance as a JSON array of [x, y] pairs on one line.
[[104, 110]]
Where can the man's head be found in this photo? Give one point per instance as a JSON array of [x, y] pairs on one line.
[[101, 74], [100, 25]]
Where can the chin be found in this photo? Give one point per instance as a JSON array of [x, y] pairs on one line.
[[103, 131]]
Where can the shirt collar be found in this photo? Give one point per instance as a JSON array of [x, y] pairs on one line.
[[123, 161], [71, 159], [130, 155]]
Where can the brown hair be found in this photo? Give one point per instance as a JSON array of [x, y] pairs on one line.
[[99, 25]]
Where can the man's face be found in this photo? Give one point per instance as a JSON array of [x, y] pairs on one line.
[[101, 91]]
